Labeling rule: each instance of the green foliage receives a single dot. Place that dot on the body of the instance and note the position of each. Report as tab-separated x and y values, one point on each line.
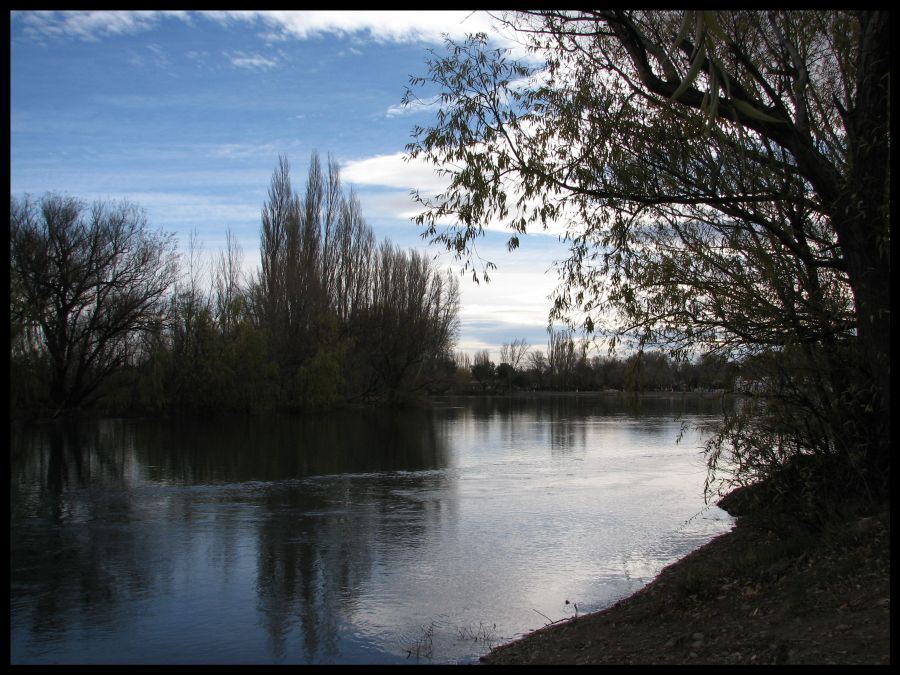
318	383
253	368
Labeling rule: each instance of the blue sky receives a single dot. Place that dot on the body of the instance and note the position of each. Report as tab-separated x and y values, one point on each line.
185	114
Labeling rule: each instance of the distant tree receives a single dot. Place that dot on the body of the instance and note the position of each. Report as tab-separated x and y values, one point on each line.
561	358
514	352
346	318
610	372
483	369
584	378
289	276
725	180
505	374
229	285
300	237
462	360
512	356
354	246
538	368
190	300
648	371
86	282
714	371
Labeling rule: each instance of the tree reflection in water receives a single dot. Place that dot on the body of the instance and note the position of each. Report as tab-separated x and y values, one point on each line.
118	502
336	537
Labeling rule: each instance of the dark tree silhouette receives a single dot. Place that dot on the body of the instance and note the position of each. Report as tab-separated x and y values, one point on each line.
86	281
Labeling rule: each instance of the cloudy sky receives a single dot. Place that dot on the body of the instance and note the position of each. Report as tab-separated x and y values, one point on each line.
185	113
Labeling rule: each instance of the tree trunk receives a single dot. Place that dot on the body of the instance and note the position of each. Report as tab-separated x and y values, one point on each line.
862	223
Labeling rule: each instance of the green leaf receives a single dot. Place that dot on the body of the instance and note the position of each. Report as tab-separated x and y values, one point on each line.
685	27
717	64
713	94
713	25
691	74
749	111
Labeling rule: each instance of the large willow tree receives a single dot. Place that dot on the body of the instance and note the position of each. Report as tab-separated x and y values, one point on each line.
724	180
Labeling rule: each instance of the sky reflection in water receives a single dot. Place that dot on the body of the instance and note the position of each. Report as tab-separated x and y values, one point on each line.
353	537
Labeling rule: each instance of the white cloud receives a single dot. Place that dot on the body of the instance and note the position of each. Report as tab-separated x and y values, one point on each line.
386	25
157	56
394	171
381	25
417	106
386	204
350	51
278	25
251	61
514	303
92	25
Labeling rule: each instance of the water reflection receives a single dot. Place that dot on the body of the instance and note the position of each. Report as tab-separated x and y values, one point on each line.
331	538
104	500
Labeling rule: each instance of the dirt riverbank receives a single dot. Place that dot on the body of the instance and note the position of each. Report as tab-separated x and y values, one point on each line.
767	592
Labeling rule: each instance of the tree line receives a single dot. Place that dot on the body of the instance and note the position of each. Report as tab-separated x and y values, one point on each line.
106	313
569	364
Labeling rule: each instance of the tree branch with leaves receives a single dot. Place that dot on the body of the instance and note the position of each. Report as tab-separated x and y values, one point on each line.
722	178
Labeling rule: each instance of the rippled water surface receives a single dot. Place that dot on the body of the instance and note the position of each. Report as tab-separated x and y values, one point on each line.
351	537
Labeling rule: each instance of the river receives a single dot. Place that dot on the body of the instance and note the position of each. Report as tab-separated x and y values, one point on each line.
357	536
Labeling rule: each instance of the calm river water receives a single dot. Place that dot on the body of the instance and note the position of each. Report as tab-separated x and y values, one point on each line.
351	537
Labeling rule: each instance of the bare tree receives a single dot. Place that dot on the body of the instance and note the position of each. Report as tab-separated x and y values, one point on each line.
228	284
190	300
561	357
513	352
89	280
462	360
354	244
411	318
279	215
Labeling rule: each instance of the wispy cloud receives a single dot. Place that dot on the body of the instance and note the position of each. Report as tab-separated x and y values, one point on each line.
379	25
251	61
416	106
151	54
91	25
385	26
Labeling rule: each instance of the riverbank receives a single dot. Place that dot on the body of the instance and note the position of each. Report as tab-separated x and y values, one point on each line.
768	592
592	394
